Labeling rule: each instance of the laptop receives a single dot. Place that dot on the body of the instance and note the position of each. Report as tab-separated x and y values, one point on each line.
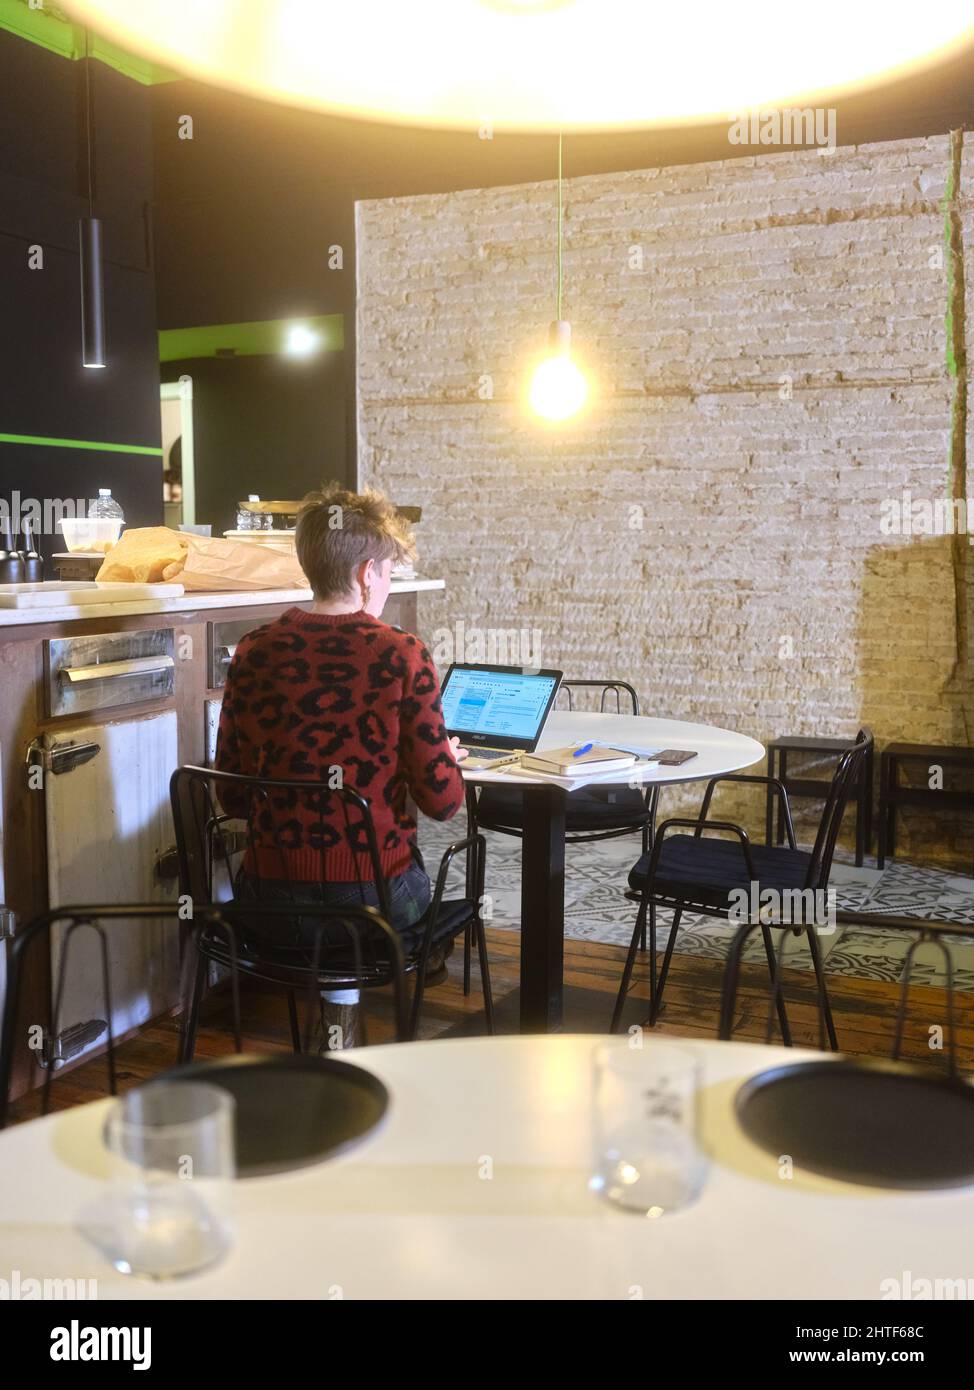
497	712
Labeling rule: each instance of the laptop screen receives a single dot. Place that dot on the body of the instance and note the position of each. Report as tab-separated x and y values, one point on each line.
509	706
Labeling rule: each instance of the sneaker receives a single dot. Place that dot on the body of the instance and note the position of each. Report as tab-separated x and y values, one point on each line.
436	971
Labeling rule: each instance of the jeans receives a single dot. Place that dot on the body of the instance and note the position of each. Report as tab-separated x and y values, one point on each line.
409	897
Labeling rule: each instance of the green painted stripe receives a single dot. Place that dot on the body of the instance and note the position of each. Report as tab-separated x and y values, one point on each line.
98	446
59	35
263	338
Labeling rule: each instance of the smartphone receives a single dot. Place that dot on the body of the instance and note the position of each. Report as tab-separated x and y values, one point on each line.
674	757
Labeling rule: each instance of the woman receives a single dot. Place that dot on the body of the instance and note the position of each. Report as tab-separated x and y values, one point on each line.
335	696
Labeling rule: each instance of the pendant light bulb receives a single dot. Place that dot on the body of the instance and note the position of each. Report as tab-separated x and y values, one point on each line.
558	388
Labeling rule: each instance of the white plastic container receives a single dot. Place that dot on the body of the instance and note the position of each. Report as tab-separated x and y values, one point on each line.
92	534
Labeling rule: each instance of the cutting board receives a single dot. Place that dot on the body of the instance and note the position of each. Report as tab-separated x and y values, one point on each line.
66	593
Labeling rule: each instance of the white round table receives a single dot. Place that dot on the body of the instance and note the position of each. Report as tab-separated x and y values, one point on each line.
410	1214
717	750
543	841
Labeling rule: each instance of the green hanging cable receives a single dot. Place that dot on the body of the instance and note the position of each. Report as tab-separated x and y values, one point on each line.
559	225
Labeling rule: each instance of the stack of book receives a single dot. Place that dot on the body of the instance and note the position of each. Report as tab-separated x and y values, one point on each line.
587	760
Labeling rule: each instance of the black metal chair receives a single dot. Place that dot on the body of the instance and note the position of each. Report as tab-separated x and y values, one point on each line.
205	840
222	927
591	813
924	932
707	875
353	947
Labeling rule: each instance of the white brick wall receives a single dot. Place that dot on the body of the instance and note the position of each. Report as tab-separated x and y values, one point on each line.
760	515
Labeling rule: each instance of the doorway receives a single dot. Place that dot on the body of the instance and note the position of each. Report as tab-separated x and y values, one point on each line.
178	469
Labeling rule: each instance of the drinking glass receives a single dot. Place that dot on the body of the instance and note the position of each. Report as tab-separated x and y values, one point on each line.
647	1156
173	1164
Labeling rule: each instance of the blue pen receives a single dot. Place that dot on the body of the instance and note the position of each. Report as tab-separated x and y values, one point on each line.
585	748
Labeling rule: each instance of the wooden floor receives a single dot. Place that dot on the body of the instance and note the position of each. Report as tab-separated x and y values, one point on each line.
864	1011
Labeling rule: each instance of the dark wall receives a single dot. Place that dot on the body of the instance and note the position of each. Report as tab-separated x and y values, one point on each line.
244	219
44	390
270	425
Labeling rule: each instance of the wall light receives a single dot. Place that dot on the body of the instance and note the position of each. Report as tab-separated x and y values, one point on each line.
300	341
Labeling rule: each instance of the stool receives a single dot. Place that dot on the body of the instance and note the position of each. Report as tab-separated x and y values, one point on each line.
891	794
778	750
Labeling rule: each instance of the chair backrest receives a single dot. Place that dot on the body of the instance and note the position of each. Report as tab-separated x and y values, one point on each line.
227	921
850	767
76	918
204	802
937	934
606	688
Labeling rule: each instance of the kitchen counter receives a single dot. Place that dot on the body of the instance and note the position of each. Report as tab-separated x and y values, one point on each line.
186	603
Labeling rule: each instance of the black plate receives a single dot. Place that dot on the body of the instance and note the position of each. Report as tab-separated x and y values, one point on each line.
292	1111
883	1124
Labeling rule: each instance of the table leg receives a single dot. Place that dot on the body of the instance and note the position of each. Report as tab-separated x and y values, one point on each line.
894	781
883	811
542	909
868	776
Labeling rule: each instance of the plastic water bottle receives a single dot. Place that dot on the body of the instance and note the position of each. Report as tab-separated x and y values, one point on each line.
245	519
104	506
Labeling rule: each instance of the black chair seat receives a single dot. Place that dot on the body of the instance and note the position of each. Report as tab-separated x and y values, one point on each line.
255	951
706	870
589	808
453	917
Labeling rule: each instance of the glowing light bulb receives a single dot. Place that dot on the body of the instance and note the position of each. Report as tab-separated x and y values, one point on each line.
558	388
300	341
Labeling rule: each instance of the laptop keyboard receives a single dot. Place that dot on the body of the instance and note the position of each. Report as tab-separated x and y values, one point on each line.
494	752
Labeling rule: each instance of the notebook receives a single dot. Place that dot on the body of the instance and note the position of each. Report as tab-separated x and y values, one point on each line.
567	762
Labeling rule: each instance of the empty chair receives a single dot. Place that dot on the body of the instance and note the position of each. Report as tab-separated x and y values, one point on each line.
941	935
700	873
217	933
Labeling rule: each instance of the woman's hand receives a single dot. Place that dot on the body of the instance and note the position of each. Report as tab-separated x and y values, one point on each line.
458	752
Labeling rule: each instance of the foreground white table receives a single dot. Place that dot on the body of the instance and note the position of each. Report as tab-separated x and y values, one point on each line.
543	842
408	1213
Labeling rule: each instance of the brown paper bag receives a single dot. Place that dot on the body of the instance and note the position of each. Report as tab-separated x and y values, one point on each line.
214	563
143	555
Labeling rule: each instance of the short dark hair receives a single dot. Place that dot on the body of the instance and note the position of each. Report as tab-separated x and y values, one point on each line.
338	530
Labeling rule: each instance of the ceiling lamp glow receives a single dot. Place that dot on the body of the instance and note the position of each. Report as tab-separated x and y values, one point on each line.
536	64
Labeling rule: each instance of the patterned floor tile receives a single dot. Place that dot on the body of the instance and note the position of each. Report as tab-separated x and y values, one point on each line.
597	910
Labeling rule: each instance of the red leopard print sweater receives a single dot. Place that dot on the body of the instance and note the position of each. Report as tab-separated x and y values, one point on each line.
313	691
